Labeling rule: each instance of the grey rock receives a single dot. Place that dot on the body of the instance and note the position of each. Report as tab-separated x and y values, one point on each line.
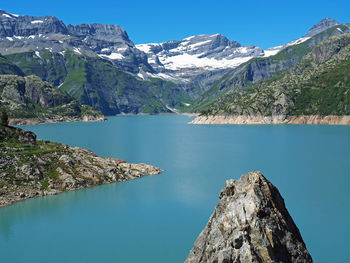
216	53
20	34
321	26
250	224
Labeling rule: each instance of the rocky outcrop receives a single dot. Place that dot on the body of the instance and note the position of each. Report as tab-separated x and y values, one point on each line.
20	34
250	224
22	136
30	168
275	119
321	26
29	100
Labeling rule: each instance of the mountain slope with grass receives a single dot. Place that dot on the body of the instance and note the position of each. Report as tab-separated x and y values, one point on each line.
246	75
314	90
29	100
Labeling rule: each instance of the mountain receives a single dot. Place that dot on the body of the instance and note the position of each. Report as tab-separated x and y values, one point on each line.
31	98
258	69
96	64
321	26
314	90
20	34
200	59
250	224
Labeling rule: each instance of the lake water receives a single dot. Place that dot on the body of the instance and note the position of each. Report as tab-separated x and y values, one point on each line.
157	219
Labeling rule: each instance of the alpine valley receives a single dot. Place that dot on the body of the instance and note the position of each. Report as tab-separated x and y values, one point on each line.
84	71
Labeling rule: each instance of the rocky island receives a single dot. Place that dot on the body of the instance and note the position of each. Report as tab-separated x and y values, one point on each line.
31	168
250	224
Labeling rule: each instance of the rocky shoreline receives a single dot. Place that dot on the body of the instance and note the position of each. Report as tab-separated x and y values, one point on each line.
276	119
34	121
32	168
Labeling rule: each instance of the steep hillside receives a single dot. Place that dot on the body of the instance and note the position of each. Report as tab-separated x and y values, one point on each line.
97	82
31	98
258	69
96	64
318	85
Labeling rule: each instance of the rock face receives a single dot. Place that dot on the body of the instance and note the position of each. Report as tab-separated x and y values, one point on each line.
26	33
321	26
20	135
250	224
30	168
31	100
201	59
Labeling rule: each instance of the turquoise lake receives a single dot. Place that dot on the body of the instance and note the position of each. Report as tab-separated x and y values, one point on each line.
157	219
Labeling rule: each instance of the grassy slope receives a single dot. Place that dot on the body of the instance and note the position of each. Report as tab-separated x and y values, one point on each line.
238	78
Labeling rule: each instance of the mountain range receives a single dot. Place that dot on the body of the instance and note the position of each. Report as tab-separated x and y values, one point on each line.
98	65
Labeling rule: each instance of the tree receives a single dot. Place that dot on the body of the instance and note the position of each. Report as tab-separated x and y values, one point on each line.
4	118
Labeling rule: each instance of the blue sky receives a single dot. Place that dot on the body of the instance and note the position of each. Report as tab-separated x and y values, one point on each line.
260	23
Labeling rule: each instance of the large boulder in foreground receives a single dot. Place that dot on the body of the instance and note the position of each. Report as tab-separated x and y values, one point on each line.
250	224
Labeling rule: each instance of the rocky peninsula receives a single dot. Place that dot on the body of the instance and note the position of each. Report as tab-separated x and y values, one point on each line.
250	224
275	119
31	168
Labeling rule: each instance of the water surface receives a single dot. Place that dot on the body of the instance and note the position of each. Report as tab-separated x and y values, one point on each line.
157	219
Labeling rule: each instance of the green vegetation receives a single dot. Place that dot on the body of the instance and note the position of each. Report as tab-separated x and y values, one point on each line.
101	84
318	85
246	77
4	118
30	97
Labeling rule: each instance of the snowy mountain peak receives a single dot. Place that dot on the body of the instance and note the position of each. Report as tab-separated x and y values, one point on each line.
178	59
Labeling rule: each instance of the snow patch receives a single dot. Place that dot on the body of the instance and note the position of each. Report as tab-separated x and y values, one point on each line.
272	51
6	15
144	47
140	76
113	56
37	54
37	22
104	49
9	38
76	50
298	41
190	61
341	31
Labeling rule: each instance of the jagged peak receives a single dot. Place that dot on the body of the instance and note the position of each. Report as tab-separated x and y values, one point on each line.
322	25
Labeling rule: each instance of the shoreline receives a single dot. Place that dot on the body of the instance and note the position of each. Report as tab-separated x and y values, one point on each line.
277	119
35	121
73	168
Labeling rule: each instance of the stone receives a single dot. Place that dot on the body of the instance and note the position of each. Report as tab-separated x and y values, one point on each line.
250	224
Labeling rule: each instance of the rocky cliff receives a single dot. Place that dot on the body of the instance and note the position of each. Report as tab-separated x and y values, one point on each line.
31	100
250	224
197	60
31	168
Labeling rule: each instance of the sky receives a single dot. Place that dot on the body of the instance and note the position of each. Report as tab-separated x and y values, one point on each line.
260	23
